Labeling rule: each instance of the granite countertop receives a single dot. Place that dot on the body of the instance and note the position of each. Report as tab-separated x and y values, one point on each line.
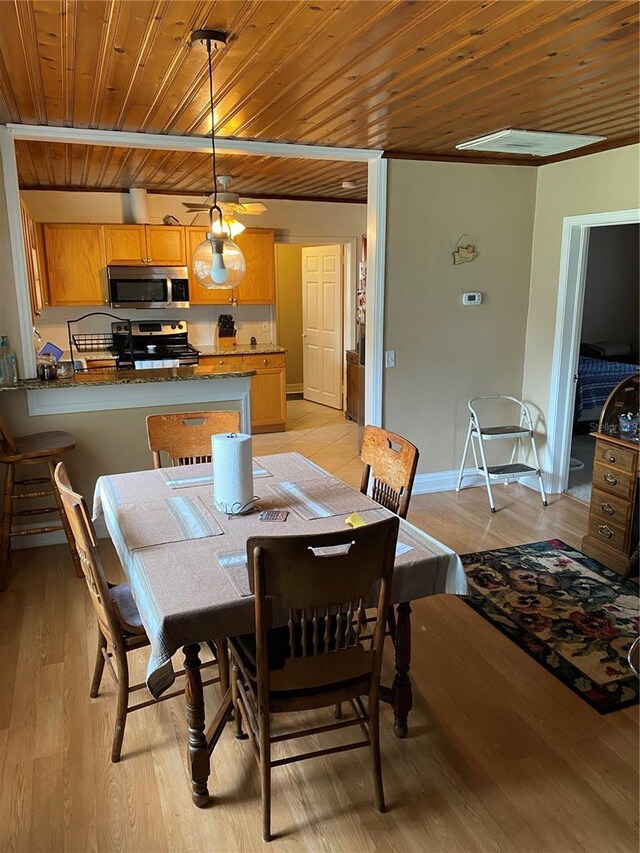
127	377
239	349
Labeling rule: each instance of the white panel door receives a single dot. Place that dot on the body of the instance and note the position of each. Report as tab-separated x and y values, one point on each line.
322	361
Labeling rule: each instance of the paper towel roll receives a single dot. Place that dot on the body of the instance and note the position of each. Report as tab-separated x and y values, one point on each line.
232	472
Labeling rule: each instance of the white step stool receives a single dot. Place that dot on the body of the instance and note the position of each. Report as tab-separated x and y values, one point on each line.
504	472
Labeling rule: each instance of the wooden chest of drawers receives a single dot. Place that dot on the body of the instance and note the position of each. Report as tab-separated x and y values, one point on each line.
612	532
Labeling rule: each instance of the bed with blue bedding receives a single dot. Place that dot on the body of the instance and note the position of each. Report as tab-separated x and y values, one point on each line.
596	380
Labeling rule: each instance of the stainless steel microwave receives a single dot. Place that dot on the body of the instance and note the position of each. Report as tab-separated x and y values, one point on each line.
148	287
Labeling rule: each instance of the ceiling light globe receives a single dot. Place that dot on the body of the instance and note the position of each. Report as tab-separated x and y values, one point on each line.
218	263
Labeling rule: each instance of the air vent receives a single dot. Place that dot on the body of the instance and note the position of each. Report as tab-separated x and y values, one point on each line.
535	142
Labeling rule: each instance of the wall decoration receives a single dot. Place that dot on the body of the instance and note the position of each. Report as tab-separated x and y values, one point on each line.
464	252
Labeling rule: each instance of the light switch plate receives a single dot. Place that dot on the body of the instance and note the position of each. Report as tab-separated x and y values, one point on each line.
390	358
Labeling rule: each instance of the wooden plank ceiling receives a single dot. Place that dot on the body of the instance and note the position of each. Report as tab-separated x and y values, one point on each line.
412	78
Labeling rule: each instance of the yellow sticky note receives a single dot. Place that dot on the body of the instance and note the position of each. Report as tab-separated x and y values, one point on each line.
355	520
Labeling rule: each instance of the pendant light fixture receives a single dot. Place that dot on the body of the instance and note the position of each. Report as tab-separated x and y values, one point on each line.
217	262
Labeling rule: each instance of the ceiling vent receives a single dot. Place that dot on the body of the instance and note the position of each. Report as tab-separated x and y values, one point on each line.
538	143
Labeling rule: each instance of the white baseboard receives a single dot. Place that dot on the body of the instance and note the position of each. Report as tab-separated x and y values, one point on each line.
445	481
295	388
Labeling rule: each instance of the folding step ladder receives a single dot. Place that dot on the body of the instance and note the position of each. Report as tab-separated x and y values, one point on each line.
504	472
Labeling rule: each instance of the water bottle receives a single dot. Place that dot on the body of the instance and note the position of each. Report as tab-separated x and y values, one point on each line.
8	363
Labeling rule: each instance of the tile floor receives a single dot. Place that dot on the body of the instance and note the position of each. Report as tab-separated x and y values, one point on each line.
319	433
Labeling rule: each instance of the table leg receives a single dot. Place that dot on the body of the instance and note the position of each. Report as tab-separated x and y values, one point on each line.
197	750
223	664
401	690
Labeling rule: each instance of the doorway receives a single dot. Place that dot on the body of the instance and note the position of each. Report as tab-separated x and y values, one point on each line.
322	382
569	317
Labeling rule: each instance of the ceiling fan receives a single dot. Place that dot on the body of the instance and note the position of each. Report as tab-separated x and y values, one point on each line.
229	202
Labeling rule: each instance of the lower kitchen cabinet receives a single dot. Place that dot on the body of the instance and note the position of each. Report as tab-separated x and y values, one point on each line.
268	386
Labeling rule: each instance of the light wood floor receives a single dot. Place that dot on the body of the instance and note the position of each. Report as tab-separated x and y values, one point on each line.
500	757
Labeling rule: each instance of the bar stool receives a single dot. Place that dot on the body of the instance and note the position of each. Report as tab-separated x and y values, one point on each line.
41	448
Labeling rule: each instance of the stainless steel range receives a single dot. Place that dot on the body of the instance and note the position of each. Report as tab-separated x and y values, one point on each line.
153	344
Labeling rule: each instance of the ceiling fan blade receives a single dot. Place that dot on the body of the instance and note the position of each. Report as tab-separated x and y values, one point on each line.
191	206
252	208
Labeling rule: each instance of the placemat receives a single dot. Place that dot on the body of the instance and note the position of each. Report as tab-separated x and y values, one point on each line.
173	519
184	476
234	564
321	498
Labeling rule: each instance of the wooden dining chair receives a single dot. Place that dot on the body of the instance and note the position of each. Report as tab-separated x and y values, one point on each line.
120	628
390	462
324	655
186	436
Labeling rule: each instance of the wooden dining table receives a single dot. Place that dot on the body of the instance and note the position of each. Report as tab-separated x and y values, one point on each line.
186	564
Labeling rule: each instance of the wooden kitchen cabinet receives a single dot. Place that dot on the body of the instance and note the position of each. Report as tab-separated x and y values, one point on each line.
33	236
258	286
351	406
199	295
75	264
268	386
268	391
163	245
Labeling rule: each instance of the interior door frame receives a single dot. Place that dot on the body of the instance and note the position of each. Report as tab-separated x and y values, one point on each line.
376	219
571	288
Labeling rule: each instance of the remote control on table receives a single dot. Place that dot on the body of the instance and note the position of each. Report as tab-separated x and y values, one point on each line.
273	515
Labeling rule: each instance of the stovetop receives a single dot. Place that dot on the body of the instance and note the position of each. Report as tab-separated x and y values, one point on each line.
152	341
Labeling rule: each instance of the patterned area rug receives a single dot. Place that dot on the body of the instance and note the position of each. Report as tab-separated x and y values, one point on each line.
567	611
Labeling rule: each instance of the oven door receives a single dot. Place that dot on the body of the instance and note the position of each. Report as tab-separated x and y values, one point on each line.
147	287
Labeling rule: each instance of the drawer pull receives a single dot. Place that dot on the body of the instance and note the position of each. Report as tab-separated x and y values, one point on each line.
611	479
611	458
221	361
607	509
605	531
264	361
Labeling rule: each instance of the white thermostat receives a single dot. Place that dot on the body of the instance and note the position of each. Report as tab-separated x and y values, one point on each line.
474	298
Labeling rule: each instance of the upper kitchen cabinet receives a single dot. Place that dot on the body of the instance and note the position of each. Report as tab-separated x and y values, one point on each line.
124	243
257	287
75	264
197	293
33	236
163	245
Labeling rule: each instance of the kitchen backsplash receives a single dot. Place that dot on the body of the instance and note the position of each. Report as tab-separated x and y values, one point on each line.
251	321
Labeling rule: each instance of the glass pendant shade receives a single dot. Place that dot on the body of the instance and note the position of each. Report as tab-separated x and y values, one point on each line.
218	263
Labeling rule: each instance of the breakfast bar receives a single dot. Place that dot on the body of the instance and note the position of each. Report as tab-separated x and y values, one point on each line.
125	389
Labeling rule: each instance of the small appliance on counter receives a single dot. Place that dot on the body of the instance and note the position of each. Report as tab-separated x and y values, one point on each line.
153	344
